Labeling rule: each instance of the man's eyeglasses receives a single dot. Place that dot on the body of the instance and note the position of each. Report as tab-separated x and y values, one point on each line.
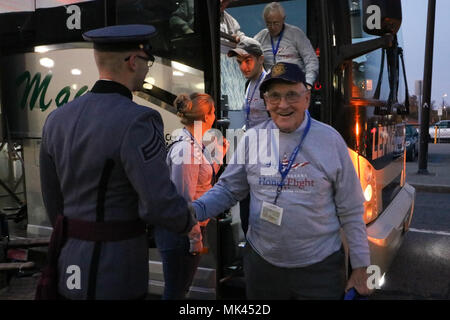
290	96
273	24
150	60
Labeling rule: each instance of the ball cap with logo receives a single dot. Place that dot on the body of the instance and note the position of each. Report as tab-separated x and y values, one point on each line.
287	72
122	38
245	47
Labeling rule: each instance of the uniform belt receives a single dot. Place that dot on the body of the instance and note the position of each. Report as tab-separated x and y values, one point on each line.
104	231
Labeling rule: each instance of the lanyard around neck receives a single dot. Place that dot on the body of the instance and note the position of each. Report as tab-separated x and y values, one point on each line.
249	101
275	49
284	172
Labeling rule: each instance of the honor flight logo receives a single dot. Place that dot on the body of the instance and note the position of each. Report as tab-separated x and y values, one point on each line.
296	182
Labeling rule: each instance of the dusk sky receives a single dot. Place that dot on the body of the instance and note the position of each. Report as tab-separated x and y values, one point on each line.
414	27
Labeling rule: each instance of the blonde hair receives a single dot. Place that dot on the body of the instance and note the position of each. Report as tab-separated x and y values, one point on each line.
109	61
193	107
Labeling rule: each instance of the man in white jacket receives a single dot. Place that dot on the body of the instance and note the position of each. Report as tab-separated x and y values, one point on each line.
303	189
284	42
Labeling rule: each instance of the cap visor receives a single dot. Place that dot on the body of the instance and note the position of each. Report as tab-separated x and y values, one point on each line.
237	52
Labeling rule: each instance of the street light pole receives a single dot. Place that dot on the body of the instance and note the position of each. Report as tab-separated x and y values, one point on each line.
427	75
443	105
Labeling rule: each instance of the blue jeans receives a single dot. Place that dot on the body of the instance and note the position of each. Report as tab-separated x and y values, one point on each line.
179	266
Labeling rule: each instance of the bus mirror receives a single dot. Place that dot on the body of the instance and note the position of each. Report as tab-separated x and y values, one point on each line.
382	16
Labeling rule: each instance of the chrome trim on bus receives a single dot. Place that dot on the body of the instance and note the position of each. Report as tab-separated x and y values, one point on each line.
386	233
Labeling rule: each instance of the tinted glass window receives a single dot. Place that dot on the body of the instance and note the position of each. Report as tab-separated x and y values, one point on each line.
179	45
21	31
370	74
179	35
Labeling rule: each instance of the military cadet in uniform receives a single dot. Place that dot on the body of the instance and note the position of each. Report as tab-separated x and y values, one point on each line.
103	176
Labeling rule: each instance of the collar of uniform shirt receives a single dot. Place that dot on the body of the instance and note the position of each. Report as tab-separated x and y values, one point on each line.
110	86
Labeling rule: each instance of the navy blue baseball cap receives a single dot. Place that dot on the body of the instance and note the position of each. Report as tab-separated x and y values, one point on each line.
122	37
284	71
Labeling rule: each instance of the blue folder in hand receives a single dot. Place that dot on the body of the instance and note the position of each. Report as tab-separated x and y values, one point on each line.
352	294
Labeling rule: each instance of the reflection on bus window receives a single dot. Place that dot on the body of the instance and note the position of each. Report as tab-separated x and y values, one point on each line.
175	17
182	20
179	63
178	37
366	68
232	81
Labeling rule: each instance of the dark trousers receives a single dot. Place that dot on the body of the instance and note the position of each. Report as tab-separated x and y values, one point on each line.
179	268
244	211
322	280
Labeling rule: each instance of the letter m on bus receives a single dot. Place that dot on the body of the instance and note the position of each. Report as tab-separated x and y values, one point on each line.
39	89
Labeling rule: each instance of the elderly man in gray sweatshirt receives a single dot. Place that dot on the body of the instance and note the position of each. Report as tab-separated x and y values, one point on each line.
303	189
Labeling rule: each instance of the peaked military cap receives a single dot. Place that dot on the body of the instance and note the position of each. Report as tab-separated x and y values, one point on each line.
122	38
288	72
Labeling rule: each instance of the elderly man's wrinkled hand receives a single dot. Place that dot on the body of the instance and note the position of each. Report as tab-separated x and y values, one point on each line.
358	280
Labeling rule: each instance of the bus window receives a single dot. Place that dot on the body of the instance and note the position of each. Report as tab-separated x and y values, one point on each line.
179	63
370	73
179	36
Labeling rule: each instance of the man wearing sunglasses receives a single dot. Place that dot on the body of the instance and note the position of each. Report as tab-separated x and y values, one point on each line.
104	176
303	189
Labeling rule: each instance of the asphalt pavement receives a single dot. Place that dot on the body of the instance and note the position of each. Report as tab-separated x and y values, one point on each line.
438	167
421	268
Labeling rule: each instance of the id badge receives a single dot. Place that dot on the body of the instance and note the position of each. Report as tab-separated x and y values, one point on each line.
271	213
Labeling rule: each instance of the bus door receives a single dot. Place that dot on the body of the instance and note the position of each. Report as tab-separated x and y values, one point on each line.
249	15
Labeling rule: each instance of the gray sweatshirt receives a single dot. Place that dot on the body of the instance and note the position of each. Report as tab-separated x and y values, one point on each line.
295	47
322	193
258	111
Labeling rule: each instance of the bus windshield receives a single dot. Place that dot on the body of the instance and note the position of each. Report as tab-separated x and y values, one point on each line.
370	72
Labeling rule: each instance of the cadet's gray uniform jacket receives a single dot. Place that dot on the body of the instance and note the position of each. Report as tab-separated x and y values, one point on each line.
78	138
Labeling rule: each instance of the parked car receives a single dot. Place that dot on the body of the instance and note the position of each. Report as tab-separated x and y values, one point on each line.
411	143
443	130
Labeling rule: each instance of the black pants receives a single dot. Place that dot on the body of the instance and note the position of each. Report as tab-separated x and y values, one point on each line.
244	210
322	280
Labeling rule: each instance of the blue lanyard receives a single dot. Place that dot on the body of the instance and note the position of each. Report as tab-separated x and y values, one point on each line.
213	179
284	172
275	50
249	101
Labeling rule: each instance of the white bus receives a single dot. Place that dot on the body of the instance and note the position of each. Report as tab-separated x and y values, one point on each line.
359	91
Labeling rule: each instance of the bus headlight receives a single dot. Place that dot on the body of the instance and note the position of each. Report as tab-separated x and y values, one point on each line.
368	193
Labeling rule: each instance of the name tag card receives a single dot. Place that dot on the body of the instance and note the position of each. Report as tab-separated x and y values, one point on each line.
271	213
